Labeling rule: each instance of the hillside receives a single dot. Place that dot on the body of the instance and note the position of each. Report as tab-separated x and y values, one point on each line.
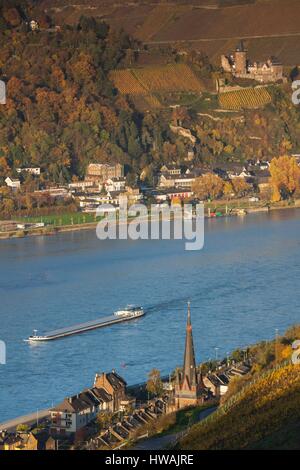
210	26
265	414
248	98
79	94
142	83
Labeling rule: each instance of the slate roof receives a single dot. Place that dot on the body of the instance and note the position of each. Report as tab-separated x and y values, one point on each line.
115	380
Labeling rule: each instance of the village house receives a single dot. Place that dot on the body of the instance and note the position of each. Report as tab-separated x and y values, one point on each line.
181	194
171	170
76	412
244	174
231	170
132	194
115	386
216	383
258	164
34	26
40	440
31	440
263	182
171	195
238	369
263	165
167	180
32	171
10	441
115	184
100	172
81	186
13	183
190	155
90	202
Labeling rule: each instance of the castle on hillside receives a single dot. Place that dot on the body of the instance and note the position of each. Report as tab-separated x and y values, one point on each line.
239	65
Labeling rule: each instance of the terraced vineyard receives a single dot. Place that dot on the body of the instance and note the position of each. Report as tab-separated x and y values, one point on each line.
261	409
247	98
165	78
126	83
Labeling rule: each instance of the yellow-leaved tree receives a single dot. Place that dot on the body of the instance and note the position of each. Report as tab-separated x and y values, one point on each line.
285	177
240	186
208	186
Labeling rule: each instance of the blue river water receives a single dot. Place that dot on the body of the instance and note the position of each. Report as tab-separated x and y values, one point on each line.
242	286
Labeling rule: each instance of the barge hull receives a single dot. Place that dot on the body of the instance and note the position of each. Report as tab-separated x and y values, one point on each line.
81	328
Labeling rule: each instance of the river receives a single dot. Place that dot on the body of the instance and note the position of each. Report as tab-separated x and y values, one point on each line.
242	286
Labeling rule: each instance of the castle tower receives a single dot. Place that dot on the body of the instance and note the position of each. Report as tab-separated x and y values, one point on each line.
240	59
189	387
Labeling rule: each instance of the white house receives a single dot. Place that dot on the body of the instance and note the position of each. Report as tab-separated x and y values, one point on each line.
171	170
81	185
78	411
176	181
33	171
242	174
34	26
13	183
115	184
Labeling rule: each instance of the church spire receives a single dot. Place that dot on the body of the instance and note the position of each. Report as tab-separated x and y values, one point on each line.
189	366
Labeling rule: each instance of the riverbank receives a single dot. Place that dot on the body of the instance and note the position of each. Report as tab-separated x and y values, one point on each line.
219	209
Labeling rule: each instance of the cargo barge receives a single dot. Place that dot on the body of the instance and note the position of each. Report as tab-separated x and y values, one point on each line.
129	313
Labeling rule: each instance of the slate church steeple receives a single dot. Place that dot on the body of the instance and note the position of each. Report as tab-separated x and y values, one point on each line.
189	365
189	388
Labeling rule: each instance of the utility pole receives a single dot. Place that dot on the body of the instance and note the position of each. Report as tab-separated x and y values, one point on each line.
227	358
276	346
216	349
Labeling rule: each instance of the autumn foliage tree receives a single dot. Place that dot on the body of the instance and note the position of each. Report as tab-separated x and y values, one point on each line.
240	186
62	111
154	383
285	177
208	186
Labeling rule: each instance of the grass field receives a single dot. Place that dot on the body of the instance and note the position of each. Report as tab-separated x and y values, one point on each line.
73	218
